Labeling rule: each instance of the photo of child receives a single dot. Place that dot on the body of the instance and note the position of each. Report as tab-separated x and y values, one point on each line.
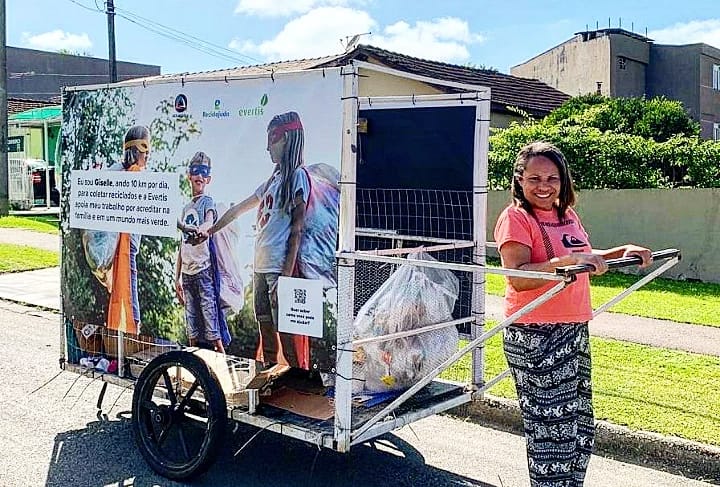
266	207
113	256
195	272
282	203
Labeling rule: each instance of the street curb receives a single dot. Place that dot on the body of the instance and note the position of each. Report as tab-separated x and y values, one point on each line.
675	455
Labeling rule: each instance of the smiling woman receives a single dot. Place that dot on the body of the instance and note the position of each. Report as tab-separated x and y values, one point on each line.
548	348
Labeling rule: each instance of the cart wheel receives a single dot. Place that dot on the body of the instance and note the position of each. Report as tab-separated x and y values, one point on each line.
178	415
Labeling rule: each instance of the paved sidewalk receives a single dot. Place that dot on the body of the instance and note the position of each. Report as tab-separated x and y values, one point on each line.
42	288
17	236
36	288
647	331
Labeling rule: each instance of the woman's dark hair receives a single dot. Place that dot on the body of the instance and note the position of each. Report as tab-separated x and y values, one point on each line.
132	153
566	199
292	157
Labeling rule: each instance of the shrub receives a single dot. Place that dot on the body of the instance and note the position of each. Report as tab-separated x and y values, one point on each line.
629	143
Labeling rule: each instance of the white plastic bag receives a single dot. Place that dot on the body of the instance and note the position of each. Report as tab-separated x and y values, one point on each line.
100	247
411	298
227	242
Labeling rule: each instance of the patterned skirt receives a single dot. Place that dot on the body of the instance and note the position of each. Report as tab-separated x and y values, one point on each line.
550	363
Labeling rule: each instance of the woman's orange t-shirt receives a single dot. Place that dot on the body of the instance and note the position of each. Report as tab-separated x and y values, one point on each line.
572	304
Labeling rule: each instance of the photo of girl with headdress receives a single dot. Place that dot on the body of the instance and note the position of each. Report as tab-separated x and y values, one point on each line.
296	233
113	256
124	294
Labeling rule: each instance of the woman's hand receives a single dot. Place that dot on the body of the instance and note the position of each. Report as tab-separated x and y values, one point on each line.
515	255
635	250
597	261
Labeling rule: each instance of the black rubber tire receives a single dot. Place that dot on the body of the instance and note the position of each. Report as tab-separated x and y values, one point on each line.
179	435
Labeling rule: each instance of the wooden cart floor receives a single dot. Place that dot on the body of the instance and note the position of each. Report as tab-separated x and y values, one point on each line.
434	393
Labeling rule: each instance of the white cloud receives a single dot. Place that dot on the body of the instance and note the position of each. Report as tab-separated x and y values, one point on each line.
282	8
707	31
443	39
319	32
56	40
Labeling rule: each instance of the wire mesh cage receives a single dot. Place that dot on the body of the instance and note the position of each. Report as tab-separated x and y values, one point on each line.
429	213
392	219
400	297
97	347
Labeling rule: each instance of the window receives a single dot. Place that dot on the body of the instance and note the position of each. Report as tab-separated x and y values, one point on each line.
621	62
716	131
716	77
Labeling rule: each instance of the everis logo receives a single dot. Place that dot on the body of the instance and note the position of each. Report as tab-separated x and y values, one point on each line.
217	111
256	111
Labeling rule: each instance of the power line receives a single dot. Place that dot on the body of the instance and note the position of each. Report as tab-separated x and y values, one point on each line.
169	35
85	6
185	35
176	35
66	75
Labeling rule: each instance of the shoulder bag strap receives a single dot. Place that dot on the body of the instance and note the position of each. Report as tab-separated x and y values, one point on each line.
549	252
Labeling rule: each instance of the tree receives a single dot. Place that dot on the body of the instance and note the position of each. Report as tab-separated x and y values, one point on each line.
70	52
658	118
618	143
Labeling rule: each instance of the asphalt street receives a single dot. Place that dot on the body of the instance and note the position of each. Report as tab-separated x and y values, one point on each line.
54	435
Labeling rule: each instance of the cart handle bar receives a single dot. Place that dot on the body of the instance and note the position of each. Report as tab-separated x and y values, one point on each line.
572	270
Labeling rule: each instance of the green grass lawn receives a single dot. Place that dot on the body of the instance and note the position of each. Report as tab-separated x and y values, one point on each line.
644	388
681	301
665	391
40	223
15	258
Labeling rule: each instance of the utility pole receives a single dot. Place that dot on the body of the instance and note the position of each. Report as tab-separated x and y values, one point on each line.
111	40
4	197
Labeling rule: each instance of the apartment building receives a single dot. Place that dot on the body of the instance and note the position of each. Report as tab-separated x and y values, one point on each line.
620	63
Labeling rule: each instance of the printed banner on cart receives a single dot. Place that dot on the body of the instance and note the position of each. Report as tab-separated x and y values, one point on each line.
188	203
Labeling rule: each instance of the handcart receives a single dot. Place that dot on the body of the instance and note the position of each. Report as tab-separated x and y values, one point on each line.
411	224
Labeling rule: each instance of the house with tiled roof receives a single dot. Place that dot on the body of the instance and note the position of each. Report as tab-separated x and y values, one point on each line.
17	105
508	92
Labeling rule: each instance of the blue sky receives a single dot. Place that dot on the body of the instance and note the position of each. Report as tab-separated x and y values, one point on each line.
489	33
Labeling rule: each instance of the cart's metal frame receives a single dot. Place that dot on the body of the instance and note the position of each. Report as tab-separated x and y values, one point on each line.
343	433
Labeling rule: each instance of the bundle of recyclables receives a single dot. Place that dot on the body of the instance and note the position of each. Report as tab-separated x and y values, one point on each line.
411	298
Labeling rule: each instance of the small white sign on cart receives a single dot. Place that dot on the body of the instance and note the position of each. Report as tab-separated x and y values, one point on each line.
300	306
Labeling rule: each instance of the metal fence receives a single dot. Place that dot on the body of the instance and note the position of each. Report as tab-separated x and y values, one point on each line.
20	184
